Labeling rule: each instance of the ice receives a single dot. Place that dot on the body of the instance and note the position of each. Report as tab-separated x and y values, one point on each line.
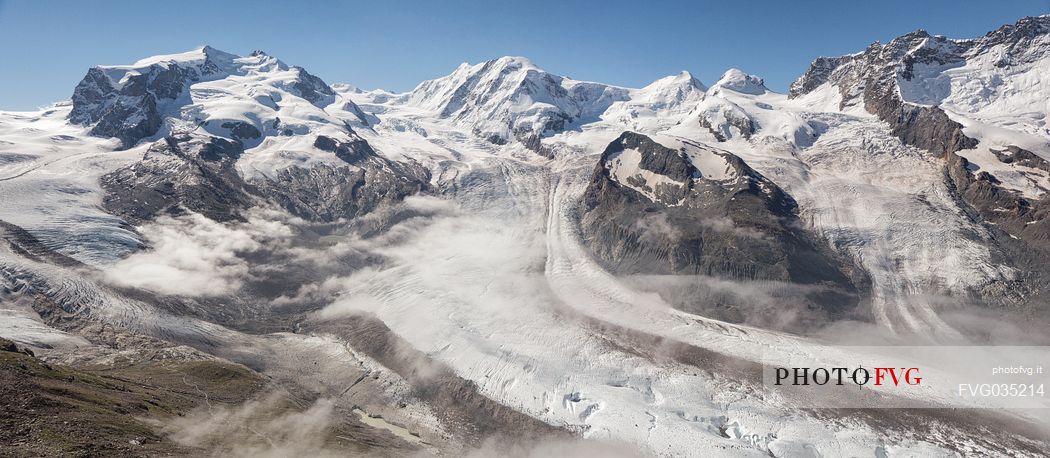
53	191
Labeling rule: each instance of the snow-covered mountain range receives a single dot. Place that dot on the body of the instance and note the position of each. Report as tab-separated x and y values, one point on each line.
505	251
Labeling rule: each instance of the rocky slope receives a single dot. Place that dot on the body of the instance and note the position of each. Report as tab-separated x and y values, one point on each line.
870	80
144	404
970	102
206	109
198	173
650	209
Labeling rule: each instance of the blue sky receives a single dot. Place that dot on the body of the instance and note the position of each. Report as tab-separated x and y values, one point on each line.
393	44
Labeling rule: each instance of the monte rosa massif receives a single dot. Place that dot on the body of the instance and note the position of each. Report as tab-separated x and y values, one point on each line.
213	253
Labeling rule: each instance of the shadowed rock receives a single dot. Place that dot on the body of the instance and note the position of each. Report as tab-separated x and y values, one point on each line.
744	228
176	173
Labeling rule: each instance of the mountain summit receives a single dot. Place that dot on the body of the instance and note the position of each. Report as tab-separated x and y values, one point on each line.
242	98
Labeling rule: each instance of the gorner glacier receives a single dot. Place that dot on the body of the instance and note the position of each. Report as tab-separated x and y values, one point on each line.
505	261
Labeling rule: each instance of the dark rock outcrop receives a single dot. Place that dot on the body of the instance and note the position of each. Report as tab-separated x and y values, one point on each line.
720	130
313	89
128	114
871	77
927	128
1020	230
240	130
743	229
176	173
354	151
533	142
1021	216
1020	156
129	110
819	72
329	193
198	173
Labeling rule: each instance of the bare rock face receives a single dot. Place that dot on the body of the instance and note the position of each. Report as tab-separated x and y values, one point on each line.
354	151
242	130
313	88
870	78
1020	227
719	128
129	109
671	219
1020	156
1024	217
198	173
820	71
176	173
128	113
927	128
329	193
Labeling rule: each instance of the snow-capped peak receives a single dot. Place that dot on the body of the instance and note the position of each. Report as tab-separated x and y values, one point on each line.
736	80
203	63
658	105
189	58
991	90
511	98
451	92
669	91
681	80
515	62
244	98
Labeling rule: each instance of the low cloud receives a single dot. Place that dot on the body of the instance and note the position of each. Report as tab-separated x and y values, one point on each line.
655	227
313	292
764	303
563	448
445	248
265	427
272	427
723	224
191	255
351	305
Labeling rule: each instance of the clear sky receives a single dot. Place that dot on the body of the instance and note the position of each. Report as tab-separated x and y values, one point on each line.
47	46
